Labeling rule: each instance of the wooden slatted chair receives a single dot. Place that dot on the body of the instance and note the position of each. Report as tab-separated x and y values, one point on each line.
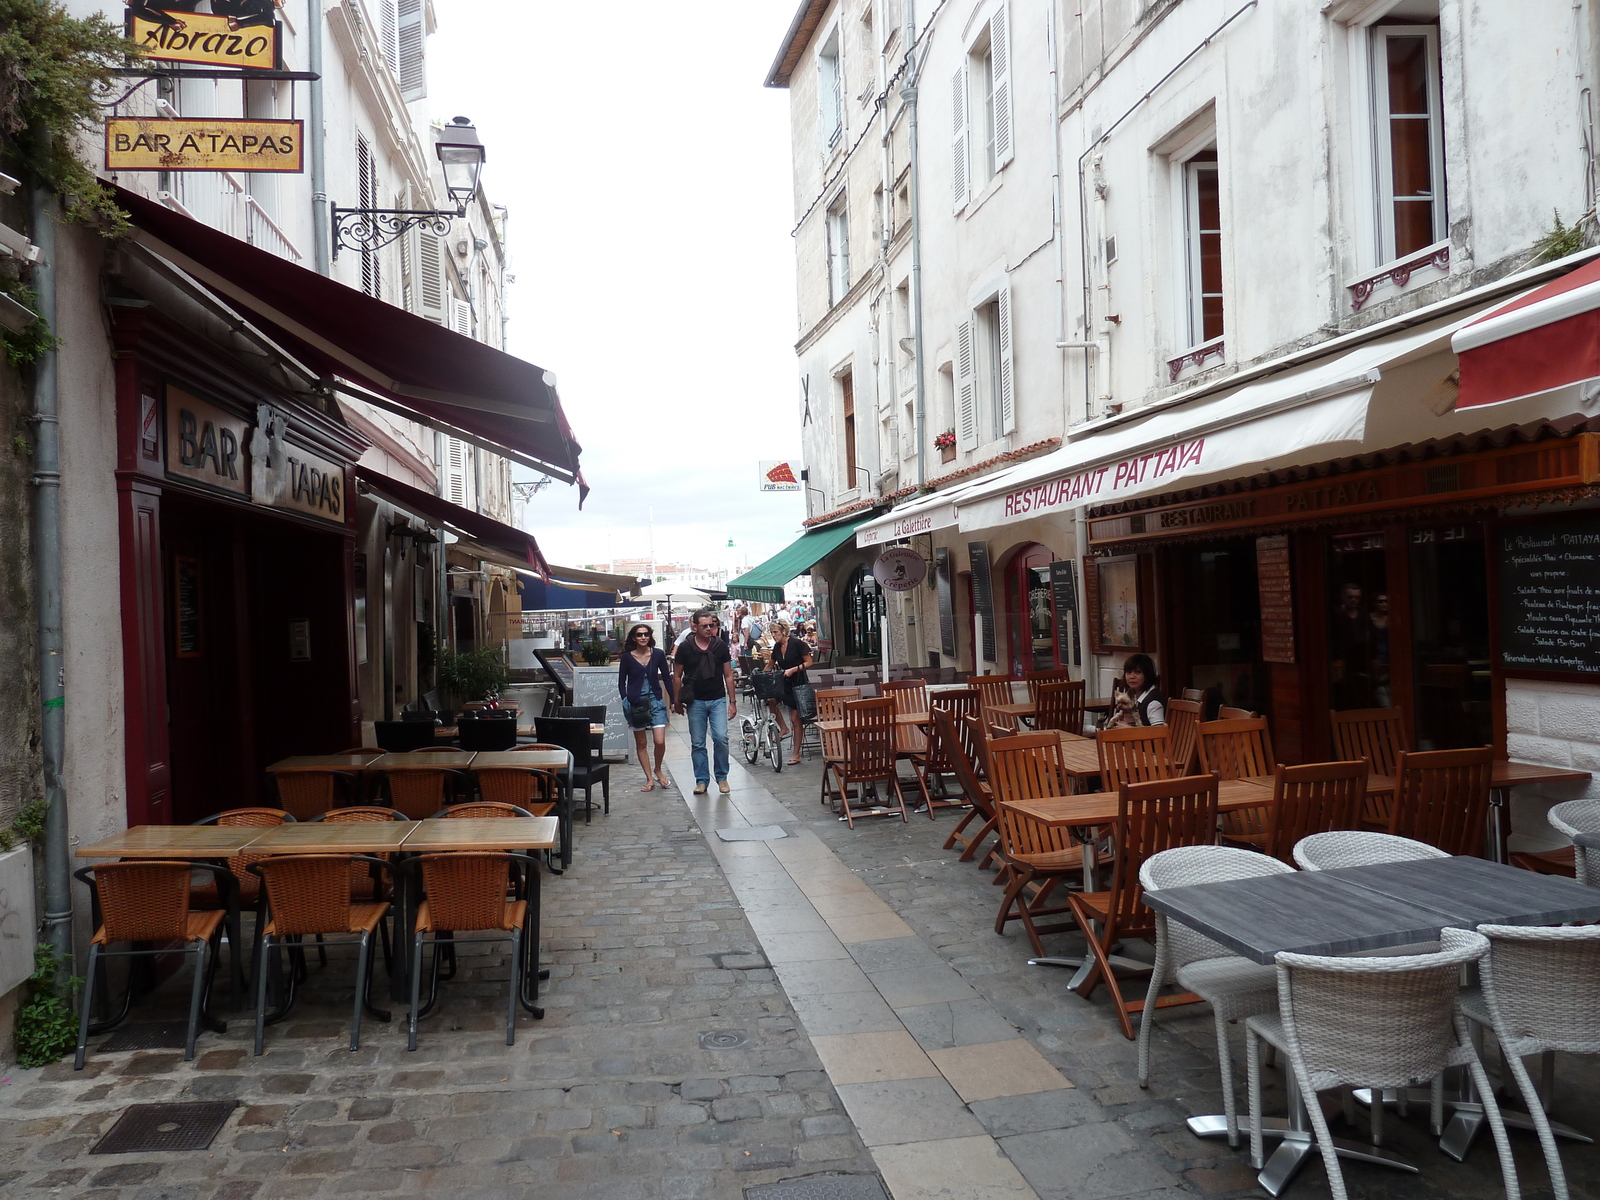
937	758
975	740
910	697
1442	798
1379	736
1058	705
1135	755
830	707
1151	817
1232	749
993	690
1028	766
869	754
1315	798
1183	719
1225	713
952	738
1035	678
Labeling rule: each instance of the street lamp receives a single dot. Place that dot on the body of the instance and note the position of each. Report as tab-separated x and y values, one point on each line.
461	155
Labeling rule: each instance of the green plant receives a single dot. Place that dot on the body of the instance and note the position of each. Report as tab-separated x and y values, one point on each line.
29	823
1561	240
53	67
595	653
44	1028
28	346
20	445
473	674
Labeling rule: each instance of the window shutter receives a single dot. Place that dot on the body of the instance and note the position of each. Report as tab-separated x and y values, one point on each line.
1000	60
958	110
966	389
461	316
389	33
430	277
412	48
1006	401
455	471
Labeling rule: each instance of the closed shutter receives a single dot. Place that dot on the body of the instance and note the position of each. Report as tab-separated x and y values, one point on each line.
461	316
959	157
1000	64
1006	401
367	186
413	38
389	33
430	277
966	389
457	460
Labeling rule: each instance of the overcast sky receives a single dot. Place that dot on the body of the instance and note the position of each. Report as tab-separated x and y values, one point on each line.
647	173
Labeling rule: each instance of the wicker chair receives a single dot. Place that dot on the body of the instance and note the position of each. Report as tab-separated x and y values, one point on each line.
1135	755
1235	987
1358	848
1540	993
309	894
992	690
1379	736
1572	818
1371	1022
148	901
533	788
869	753
1036	679
1183	719
245	888
938	759
365	878
467	890
1315	798
306	794
1442	798
1151	817
421	789
1058	704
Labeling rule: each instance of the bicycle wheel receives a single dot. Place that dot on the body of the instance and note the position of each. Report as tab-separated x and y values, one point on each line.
749	740
774	746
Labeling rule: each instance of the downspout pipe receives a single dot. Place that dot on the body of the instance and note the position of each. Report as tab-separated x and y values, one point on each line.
908	94
42	206
321	228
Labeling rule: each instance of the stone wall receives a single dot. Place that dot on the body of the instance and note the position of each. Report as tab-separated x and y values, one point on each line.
1558	724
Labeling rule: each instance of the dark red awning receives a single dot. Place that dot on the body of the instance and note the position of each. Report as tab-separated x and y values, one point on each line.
1544	339
519	545
441	377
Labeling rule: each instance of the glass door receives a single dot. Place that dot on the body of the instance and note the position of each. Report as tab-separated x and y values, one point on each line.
1450	637
1358	623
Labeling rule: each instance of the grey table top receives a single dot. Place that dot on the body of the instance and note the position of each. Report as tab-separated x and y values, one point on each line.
1591	840
1371	908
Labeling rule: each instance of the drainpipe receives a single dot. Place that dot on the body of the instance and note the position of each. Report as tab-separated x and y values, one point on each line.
908	93
320	217
47	560
1056	204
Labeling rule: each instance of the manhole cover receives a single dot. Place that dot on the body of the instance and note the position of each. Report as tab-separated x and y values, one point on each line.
820	1187
724	1039
152	1128
161	1036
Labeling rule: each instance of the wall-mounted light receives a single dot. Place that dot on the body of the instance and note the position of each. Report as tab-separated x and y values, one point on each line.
461	155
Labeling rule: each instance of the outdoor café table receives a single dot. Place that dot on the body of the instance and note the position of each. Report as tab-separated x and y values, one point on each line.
1360	908
323	762
458	760
174	841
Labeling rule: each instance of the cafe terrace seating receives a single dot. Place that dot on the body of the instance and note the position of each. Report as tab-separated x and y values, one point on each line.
1314	798
1058	704
938	756
1379	736
951	738
869	756
1442	798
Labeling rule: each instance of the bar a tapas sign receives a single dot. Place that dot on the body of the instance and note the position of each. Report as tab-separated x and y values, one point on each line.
204	144
215	39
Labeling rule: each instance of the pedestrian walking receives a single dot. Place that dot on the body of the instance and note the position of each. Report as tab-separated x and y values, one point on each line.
645	681
790	656
703	687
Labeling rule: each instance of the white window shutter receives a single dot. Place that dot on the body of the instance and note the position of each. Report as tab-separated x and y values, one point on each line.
959	155
389	33
430	277
1000	60
455	471
412	49
461	316
966	389
1006	401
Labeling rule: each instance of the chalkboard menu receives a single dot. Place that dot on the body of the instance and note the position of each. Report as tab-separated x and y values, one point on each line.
1550	597
596	686
186	611
1277	598
947	612
1064	591
983	594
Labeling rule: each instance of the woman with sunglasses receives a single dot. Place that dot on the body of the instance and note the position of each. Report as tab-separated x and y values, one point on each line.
645	682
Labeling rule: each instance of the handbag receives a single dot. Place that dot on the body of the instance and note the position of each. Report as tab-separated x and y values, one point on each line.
639	709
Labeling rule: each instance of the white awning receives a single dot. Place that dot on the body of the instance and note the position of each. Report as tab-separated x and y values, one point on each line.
921	514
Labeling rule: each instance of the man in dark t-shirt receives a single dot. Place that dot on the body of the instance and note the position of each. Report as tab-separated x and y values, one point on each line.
703	675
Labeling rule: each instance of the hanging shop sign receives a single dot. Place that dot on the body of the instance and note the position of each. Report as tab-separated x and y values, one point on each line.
212	39
778	475
206	445
899	569
204	144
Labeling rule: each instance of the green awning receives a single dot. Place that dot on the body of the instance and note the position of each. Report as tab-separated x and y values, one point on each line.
765	583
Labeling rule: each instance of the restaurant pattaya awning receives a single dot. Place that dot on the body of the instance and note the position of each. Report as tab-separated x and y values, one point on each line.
1544	339
520	550
393	358
764	584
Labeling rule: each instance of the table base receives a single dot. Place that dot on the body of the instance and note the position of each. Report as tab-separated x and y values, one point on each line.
1467	1118
1085	964
1298	1145
1216	1125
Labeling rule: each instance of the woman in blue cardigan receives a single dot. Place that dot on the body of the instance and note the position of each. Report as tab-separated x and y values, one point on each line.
644	681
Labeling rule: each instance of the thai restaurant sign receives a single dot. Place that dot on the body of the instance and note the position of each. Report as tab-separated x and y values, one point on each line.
207	38
204	144
1092	485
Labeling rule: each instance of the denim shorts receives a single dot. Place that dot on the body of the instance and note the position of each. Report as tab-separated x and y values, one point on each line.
658	715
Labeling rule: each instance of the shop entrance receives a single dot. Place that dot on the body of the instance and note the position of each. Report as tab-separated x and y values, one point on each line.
1358	623
862	616
1220	625
1030	612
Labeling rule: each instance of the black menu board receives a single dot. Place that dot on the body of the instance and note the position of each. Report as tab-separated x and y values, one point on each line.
983	594
947	612
1550	597
1064	591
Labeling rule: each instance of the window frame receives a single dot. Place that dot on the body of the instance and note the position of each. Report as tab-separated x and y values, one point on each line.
830	87
1381	126
1192	232
837	248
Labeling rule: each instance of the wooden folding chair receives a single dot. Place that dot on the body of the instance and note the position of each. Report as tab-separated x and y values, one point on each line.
1151	817
910	697
1379	736
1224	713
830	707
1442	798
1232	749
1135	755
1183	719
1315	798
938	756
1035	678
1058	704
992	690
1027	766
975	740
951	744
869	754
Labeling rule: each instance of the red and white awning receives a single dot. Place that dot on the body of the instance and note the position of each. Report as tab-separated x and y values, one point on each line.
1544	339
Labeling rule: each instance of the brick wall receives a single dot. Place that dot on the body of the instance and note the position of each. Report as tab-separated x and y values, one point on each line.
1558	724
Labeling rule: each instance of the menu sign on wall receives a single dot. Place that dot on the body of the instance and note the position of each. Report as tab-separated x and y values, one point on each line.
947	613
1064	590
983	595
1277	598
1550	597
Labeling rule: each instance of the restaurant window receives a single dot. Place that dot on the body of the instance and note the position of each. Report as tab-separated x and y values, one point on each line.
1030	612
1408	138
1202	229
862	613
1358	623
1450	637
1221	627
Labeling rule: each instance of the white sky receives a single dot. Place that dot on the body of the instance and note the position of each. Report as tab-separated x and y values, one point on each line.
647	173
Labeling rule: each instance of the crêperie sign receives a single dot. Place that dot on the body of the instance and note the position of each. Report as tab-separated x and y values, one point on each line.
1550	597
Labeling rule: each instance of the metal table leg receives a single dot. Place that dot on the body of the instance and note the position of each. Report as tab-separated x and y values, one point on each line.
1300	1142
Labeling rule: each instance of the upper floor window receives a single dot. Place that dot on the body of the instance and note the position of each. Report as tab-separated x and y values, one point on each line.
830	93
847	428
1408	137
980	99
986	408
838	251
1202	229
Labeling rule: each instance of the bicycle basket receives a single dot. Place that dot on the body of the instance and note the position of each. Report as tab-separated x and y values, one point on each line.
768	685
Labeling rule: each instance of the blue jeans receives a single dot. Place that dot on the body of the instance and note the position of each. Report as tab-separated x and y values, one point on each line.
715	713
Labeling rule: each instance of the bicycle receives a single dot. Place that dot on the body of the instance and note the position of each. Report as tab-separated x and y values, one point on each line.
760	735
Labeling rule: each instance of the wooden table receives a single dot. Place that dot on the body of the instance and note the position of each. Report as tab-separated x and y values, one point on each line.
456	760
918	718
333	837
1100	808
482	833
511	760
174	841
323	762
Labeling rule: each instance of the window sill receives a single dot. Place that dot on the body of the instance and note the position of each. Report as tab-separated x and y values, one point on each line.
989	189
1431	261
1193	360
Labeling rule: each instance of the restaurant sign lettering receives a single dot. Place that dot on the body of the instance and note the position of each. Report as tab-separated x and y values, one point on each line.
208	38
900	528
206	445
1105	482
308	484
204	144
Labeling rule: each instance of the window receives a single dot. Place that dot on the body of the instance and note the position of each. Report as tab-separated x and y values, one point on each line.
830	93
1408	136
847	428
1202	228
367	187
411	41
862	602
980	104
838	251
986	407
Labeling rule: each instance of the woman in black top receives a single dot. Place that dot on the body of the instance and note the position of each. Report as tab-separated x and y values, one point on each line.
644	681
792	656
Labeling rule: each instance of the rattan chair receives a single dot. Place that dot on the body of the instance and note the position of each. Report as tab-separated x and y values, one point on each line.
1183	719
869	754
1058	704
938	758
532	788
1151	817
306	794
1376	1023
993	690
243	887
148	901
1134	755
1234	986
309	895
422	789
1358	848
1314	798
1573	817
1379	736
1442	798
366	881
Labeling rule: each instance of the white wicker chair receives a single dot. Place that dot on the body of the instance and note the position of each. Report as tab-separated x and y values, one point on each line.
1235	987
1358	848
1575	817
1541	993
1372	1022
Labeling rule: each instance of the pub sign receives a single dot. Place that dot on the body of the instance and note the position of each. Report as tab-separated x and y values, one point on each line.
204	144
238	34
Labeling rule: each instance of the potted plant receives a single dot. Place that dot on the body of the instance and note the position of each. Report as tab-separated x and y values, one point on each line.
595	653
472	674
945	443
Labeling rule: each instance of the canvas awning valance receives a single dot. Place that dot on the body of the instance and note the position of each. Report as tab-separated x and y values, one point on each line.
764	584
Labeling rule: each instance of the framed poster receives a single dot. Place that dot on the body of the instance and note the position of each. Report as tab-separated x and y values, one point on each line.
1116	588
186	605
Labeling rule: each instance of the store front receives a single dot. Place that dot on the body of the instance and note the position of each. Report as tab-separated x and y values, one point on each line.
1030	610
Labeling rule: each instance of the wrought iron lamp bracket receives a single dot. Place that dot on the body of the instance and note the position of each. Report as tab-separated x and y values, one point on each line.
368	229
